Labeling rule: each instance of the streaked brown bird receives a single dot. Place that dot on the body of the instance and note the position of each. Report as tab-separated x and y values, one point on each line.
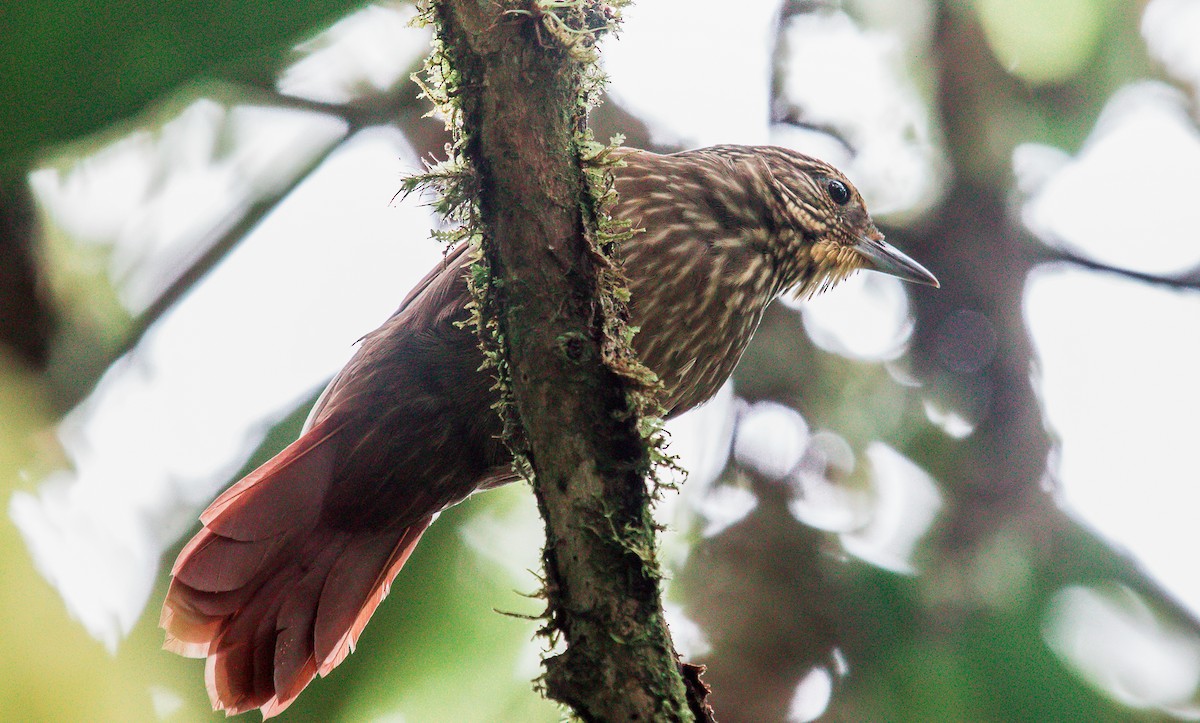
293	560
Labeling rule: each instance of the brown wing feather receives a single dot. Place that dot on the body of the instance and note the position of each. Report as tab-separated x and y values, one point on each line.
293	559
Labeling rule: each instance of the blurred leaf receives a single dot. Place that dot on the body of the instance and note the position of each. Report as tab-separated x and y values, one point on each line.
69	68
1043	42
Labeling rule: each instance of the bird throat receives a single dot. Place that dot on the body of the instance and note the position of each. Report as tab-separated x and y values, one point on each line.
822	266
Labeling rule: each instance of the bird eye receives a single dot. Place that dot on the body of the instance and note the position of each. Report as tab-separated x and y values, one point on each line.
838	191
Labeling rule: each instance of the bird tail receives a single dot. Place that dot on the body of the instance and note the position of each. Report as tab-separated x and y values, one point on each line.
270	593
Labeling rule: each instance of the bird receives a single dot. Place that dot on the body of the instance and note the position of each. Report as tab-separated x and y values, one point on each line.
293	559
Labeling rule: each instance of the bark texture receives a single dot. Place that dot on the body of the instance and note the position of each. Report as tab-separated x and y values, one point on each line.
518	86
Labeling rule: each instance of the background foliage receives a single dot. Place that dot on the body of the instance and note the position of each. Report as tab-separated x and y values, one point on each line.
883	533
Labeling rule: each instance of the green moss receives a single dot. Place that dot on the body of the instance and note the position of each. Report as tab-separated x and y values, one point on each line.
572	28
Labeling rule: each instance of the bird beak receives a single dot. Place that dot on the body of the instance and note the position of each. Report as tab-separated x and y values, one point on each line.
877	255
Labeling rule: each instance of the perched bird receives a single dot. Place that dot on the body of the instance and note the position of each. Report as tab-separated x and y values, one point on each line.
293	559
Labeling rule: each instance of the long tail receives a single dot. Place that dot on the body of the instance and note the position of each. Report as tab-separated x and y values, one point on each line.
270	594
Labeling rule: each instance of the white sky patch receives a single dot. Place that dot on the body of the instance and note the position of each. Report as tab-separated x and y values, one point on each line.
865	317
1118	382
509	535
811	697
697	72
366	53
825	496
771	438
529	659
268	326
156	200
863	93
167	703
723	507
880	520
1116	642
954	424
905	502
1129	199
689	638
913	21
701	439
1170	28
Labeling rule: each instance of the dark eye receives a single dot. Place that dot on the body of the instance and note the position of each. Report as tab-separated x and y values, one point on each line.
838	191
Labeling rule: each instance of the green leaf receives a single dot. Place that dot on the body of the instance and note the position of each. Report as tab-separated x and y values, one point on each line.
72	67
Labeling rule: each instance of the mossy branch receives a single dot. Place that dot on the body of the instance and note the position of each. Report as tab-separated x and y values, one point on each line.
525	182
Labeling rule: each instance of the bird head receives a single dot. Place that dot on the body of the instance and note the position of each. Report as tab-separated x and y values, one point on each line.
825	233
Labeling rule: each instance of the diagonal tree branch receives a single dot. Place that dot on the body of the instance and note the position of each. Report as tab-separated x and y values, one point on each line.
1187	281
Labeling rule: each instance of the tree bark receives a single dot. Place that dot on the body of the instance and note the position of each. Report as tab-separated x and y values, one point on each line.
516	79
